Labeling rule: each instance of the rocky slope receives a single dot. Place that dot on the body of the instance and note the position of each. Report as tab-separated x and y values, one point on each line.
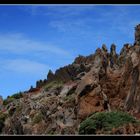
101	82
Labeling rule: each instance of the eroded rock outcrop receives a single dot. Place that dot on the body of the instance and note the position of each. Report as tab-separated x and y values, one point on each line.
101	82
137	35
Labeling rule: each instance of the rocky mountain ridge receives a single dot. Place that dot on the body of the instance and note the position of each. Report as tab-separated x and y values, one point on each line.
101	82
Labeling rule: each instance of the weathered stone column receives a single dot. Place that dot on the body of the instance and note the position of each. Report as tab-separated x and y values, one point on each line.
137	35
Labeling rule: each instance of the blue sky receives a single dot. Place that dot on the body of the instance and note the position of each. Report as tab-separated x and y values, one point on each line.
36	38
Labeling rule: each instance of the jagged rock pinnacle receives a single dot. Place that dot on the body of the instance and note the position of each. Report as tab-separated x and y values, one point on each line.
137	35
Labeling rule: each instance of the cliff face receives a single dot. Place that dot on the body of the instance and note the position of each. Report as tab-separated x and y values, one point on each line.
101	82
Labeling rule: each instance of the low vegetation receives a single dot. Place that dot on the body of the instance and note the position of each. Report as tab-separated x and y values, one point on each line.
3	116
54	84
12	98
17	95
105	121
37	118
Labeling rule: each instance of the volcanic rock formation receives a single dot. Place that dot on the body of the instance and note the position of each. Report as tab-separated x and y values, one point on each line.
101	82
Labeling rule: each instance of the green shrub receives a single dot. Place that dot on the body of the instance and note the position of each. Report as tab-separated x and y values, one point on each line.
37	118
69	98
17	95
71	91
54	84
12	98
11	111
1	125
105	121
18	108
5	102
3	116
51	132
8	100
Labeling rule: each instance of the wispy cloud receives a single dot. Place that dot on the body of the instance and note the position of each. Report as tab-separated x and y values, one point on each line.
58	11
74	19
77	17
19	44
20	54
24	66
64	18
70	26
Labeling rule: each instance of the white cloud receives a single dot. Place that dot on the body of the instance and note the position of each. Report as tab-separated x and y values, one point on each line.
58	11
24	66
24	55
18	44
69	25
